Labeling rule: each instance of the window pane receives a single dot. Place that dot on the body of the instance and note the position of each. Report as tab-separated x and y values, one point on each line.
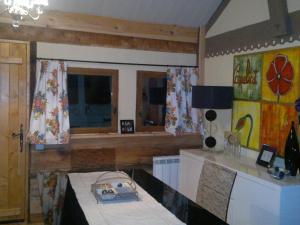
73	89
97	90
154	101
93	106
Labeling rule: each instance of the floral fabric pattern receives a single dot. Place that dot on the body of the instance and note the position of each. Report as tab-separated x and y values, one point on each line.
39	105
52	188
180	116
49	122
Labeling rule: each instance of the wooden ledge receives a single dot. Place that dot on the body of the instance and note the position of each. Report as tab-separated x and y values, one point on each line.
118	135
106	151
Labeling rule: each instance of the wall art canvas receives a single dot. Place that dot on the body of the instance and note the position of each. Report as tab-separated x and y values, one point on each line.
247	70
246	122
280	80
276	124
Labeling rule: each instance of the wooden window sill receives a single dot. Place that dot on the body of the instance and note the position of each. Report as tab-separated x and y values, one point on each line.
116	135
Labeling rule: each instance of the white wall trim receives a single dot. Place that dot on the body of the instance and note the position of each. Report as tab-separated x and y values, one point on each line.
113	55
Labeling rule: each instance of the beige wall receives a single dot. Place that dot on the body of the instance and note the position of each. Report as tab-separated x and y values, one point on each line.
127	73
240	13
218	70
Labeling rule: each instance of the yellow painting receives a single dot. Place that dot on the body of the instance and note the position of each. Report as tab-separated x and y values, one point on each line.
276	125
246	122
280	76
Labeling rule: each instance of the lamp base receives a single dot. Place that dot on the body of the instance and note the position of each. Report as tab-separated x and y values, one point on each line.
210	142
211	115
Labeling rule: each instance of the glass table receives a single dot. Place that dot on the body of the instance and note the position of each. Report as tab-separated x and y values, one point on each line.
184	209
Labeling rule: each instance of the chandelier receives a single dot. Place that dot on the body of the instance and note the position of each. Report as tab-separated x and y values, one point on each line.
19	9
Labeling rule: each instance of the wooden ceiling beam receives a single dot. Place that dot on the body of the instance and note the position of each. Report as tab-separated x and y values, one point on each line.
216	14
39	34
106	25
279	17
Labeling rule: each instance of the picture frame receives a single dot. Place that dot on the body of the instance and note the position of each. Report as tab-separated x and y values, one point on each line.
127	126
266	156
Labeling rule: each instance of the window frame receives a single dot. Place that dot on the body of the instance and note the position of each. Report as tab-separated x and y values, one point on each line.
114	74
139	100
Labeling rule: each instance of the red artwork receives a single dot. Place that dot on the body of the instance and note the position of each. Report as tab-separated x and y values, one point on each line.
280	75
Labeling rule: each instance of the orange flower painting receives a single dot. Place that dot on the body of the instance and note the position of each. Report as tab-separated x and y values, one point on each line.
281	79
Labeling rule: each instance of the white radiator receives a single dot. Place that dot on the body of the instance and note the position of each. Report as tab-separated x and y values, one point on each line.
166	169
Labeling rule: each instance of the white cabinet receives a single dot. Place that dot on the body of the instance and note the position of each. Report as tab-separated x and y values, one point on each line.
256	199
253	203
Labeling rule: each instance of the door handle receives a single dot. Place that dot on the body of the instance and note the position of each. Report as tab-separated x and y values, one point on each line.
20	135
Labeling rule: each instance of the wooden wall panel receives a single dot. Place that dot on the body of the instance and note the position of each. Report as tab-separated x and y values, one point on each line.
51	159
139	157
118	151
163	140
89	159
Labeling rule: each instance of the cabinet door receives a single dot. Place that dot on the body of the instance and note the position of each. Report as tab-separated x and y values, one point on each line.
189	174
13	117
253	203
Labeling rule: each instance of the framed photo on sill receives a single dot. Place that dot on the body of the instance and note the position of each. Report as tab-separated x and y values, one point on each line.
127	126
266	156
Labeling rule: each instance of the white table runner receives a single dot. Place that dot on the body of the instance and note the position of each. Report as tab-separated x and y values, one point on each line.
146	211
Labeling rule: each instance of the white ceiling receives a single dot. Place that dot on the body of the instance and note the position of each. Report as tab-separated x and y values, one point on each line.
191	13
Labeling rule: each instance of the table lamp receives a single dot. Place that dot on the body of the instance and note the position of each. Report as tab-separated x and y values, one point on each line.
212	97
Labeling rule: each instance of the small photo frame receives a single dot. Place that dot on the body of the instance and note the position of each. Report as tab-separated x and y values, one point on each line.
127	126
266	156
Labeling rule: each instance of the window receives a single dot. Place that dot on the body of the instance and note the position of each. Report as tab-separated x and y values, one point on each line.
151	101
93	98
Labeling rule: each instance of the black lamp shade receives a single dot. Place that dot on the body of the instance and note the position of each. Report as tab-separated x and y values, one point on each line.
212	97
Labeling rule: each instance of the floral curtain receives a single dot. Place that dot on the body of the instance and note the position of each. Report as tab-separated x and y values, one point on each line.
180	116
49	121
52	187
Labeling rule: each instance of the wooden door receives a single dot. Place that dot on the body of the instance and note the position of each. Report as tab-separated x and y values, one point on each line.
13	115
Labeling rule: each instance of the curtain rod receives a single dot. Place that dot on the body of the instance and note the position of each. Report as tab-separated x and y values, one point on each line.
117	63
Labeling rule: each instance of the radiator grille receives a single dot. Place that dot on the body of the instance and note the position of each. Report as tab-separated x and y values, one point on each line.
166	169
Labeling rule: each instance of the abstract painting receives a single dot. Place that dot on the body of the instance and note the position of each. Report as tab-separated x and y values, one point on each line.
247	71
280	80
276	125
246	121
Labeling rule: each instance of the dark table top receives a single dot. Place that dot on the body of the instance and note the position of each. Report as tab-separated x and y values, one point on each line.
183	208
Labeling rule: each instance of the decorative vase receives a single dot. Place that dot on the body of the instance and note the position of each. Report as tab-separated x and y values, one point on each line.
298	129
298	137
291	155
297	107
